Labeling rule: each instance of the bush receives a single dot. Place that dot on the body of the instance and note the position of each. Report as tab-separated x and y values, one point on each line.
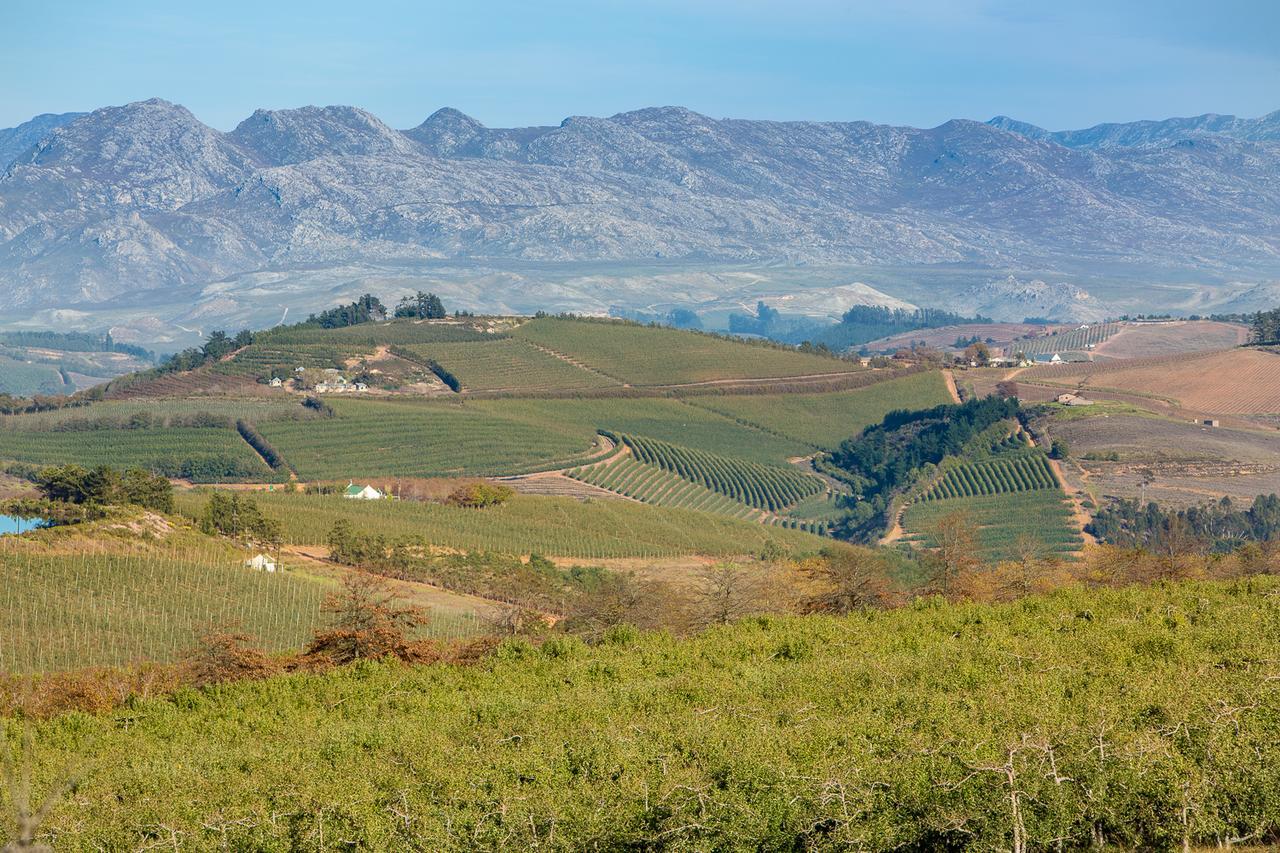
480	495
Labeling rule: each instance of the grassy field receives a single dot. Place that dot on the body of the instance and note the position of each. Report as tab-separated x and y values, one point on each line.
507	364
1132	719
641	355
170	451
69	610
559	527
824	420
999	520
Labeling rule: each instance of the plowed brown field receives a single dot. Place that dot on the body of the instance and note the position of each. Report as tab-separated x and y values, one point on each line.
1231	382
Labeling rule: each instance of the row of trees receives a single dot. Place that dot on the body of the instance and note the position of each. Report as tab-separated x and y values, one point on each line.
1220	526
1265	327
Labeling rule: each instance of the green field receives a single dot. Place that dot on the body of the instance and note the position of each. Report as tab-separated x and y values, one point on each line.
643	355
653	485
507	364
560	527
207	451
1130	719
20	378
766	487
824	420
227	409
419	438
77	610
998	521
1007	472
261	360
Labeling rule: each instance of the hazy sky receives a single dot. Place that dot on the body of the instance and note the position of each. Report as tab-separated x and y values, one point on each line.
919	62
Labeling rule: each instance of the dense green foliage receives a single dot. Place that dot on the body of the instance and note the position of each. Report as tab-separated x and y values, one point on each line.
73	342
1221	526
766	487
886	458
1264	327
421	306
1141	718
106	486
366	309
864	323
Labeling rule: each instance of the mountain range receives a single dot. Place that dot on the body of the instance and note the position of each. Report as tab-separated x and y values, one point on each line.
129	204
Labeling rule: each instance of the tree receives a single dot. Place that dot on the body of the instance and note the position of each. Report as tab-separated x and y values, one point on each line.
1059	449
978	353
725	593
366	620
848	579
954	555
225	655
480	495
1007	388
423	306
238	517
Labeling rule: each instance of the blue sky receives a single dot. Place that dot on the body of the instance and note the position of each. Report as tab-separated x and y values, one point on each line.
917	62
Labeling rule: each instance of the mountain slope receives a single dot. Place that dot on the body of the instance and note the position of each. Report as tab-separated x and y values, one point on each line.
131	199
1120	135
15	141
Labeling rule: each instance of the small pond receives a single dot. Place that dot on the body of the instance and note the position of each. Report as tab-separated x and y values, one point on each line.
13	524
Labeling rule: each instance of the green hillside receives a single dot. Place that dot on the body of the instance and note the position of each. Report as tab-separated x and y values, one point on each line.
1141	718
644	355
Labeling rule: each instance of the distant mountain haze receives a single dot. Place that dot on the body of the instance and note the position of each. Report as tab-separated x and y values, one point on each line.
105	208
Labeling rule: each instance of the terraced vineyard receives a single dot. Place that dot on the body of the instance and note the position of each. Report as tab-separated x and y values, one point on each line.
261	359
1007	473
560	527
1000	520
647	356
764	487
1072	341
654	485
507	364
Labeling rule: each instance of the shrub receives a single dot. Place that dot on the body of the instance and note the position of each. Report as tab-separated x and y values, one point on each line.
480	495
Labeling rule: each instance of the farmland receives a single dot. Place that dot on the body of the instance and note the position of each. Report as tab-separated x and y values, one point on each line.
199	454
653	485
370	335
1240	382
1000	520
824	420
1006	473
641	355
66	610
1074	340
19	377
1146	340
764	487
944	337
166	412
420	439
560	527
507	364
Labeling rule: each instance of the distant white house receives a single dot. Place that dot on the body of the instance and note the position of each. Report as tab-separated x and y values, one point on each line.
276	382
362	493
261	563
1042	358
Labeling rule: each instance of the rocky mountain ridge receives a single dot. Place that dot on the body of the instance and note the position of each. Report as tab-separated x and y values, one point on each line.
107	207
